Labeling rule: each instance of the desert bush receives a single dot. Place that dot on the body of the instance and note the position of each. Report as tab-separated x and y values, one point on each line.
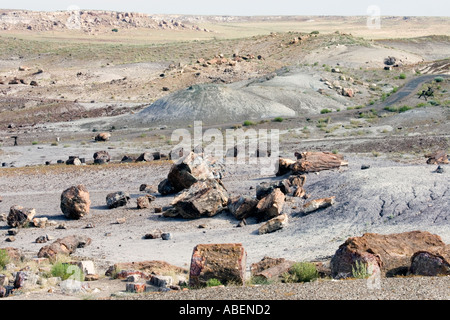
248	123
67	271
402	76
438	79
360	270
213	282
278	119
4	258
323	111
315	32
301	272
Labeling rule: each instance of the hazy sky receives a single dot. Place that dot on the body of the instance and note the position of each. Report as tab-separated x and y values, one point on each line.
243	7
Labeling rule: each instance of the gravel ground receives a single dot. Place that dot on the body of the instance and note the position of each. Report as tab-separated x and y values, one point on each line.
409	288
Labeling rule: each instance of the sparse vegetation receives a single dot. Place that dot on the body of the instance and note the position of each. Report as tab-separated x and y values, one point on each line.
323	111
248	123
4	258
301	272
360	270
213	282
402	76
278	119
67	271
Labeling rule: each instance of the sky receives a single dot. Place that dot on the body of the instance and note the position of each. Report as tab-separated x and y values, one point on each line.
243	7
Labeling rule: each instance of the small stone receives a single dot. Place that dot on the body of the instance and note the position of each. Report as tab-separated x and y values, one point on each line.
365	166
61	226
41	239
155	234
10	239
91	277
121	220
158	209
166	236
89	226
13	232
439	169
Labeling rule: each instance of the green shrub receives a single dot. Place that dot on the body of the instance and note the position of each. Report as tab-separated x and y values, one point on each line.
4	258
278	119
402	76
248	123
360	270
260	280
34	143
315	32
438	79
301	272
323	111
67	271
213	282
115	30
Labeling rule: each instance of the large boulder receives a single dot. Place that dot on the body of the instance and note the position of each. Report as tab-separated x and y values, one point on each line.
75	202
203	198
392	253
64	246
19	216
224	262
271	206
192	168
431	263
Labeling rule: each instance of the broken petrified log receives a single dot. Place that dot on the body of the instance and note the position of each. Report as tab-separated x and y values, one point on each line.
192	168
317	204
284	166
317	161
242	207
117	199
271	206
276	270
438	157
224	262
274	224
203	198
431	263
64	246
392	252
19	216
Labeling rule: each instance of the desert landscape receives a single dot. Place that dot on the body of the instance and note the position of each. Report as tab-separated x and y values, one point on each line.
99	201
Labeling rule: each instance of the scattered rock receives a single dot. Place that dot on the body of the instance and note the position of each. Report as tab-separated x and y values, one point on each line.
73	160
317	204
439	169
203	198
365	167
192	168
271	206
64	246
148	188
10	239
117	199
165	187
19	216
121	220
40	222
155	234
75	202
103	136
242	207
145	157
224	262
166	236
273	224
101	157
